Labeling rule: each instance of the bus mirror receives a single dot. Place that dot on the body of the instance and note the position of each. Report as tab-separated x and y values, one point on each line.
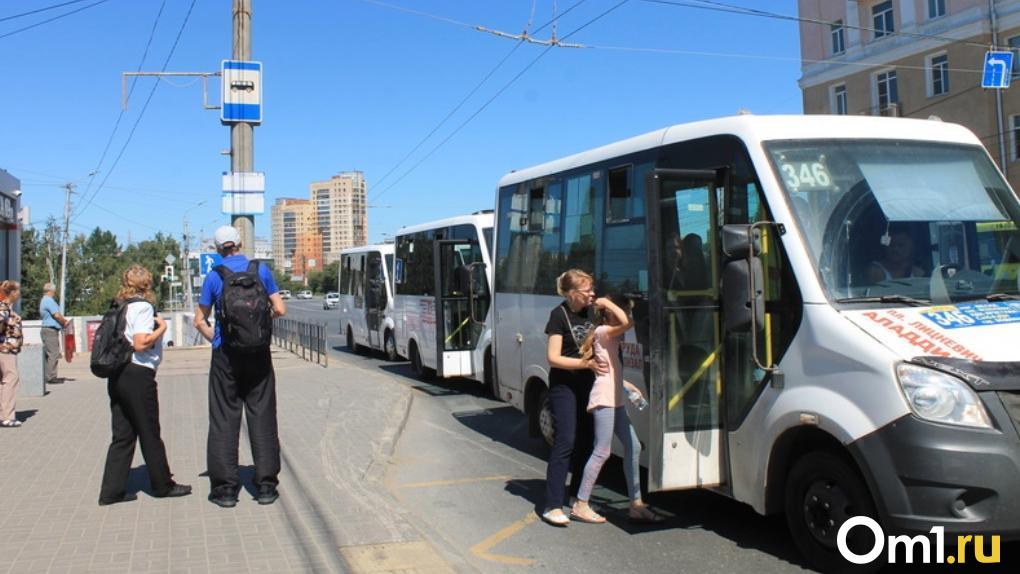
739	241
742	296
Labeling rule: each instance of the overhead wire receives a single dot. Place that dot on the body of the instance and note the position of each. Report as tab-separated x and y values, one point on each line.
38	10
48	20
141	114
471	92
503	89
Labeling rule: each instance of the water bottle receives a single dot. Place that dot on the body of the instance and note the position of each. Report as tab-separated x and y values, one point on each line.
637	400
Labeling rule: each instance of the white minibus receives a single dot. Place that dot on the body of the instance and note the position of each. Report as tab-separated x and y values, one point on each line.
825	309
442	297
366	298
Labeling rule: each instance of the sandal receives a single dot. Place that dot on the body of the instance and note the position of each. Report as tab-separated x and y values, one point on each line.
555	518
645	515
13	423
591	517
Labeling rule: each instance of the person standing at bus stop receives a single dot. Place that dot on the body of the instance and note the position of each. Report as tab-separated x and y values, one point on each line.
570	384
53	322
241	372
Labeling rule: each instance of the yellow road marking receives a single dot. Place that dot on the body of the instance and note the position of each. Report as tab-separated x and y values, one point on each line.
453	481
481	549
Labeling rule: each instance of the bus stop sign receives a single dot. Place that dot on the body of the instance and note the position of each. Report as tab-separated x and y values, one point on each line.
998	70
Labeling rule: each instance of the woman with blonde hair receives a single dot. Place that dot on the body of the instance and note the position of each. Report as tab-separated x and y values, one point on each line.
134	399
570	383
10	345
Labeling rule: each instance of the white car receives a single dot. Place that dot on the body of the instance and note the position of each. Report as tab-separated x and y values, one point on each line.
306	294
284	294
331	301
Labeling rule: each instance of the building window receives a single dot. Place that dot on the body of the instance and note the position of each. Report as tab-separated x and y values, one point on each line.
882	17
1014	136
838	33
936	8
888	94
839	100
1014	46
938	75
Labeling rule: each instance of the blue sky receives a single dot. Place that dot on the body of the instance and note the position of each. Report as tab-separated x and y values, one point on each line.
356	84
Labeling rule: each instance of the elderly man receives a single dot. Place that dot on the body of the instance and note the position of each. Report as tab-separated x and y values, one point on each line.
53	322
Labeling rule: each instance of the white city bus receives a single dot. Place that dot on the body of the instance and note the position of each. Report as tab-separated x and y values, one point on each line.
825	310
366	298
442	283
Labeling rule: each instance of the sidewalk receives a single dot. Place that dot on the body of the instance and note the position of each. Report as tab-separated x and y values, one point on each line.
337	428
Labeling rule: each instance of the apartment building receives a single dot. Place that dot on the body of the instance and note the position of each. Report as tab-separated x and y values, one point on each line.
296	249
341	212
914	58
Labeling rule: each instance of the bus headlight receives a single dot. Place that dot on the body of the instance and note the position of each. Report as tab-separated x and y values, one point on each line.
942	398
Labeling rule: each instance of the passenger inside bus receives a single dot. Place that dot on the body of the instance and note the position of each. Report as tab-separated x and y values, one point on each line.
898	258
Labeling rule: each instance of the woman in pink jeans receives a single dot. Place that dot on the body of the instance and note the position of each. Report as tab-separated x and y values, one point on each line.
607	407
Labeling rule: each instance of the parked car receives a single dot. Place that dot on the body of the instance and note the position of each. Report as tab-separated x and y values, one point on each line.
284	293
331	301
306	294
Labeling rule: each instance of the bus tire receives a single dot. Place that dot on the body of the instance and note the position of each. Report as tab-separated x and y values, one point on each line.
417	365
489	376
351	345
390	347
544	418
823	490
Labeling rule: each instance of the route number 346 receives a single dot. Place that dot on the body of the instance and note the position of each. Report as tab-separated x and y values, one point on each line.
804	176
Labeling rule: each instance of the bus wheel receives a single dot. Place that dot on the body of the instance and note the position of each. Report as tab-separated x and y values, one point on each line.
419	368
351	345
545	418
822	492
489	376
390	347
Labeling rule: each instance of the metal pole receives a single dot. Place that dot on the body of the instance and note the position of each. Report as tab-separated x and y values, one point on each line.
242	144
1000	123
63	251
186	248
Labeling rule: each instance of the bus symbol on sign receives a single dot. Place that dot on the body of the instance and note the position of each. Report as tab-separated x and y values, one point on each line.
998	70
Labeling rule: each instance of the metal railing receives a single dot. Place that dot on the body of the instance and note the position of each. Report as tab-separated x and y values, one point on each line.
305	339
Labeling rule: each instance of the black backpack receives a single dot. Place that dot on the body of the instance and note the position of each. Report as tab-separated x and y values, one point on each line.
243	312
111	350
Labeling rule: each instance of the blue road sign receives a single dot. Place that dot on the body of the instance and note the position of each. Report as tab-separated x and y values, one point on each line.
206	262
998	69
242	92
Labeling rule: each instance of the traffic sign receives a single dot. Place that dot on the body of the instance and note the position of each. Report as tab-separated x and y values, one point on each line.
206	262
998	70
242	92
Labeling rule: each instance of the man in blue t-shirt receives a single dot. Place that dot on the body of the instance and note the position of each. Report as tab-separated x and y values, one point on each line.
236	381
53	322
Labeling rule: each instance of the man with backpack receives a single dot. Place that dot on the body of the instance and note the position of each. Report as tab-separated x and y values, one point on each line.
241	375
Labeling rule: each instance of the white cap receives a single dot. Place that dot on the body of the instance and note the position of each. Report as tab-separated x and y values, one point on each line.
226	234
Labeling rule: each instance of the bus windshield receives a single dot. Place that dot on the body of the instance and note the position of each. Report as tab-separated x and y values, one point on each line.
902	222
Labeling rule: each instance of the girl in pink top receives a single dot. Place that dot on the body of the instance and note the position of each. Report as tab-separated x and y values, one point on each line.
606	403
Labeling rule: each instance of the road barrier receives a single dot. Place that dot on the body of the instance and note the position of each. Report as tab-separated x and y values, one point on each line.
305	339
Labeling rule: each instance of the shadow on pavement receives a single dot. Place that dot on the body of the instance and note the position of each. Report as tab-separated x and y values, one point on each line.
25	414
435	386
694	509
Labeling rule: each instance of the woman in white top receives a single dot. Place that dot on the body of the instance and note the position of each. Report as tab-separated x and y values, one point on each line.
134	400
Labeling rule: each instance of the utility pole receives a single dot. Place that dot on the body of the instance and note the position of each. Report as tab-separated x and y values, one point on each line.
186	270
242	143
69	189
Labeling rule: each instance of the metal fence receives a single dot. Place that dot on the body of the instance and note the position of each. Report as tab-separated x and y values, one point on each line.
305	339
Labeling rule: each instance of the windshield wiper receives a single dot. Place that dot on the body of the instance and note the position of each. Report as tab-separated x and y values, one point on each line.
887	299
1002	297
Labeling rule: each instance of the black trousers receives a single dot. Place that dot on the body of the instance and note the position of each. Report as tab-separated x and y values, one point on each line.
134	414
573	438
236	381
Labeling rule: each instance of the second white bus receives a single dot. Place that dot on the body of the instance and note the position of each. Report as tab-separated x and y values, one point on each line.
366	298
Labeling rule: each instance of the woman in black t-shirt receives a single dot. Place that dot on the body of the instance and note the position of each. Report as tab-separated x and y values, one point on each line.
570	381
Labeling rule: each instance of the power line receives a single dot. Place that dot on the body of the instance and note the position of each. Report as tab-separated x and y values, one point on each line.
47	21
493	98
131	90
30	12
141	114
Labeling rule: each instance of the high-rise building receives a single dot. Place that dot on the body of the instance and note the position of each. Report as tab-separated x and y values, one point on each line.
341	212
296	246
914	58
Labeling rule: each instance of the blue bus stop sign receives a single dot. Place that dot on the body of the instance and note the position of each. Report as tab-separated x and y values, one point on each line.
206	262
998	69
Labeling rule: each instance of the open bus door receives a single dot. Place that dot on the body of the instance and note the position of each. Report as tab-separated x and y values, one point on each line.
375	298
457	323
686	437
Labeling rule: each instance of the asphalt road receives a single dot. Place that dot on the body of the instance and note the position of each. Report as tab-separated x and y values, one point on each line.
466	471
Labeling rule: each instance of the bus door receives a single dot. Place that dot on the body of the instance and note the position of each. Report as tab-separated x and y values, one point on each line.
375	298
686	441
458	296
